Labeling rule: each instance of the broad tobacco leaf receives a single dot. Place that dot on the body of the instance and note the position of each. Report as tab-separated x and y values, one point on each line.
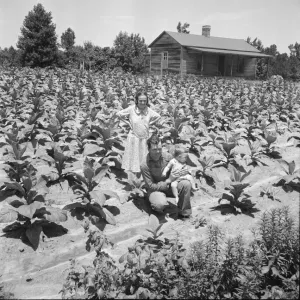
100	173
33	234
153	223
53	214
90	149
98	197
88	173
289	178
29	210
292	167
8	215
104	213
74	205
14	186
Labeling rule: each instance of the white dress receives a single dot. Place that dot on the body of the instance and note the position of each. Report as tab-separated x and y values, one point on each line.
136	144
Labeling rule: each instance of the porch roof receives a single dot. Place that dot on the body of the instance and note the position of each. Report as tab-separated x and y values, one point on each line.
225	51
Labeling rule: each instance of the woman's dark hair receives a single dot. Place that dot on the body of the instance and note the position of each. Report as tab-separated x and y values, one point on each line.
141	93
154	139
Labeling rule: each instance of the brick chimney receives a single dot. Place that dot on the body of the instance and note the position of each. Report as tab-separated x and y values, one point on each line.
206	30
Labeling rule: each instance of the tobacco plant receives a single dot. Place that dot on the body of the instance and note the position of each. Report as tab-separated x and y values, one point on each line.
107	135
152	264
269	191
134	185
268	146
236	191
175	122
292	176
100	280
226	147
207	164
92	199
192	137
29	208
59	165
256	156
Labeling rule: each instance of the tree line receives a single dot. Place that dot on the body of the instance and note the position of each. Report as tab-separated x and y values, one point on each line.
38	46
287	66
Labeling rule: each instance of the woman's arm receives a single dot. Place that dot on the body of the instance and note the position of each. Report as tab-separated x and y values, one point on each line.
123	115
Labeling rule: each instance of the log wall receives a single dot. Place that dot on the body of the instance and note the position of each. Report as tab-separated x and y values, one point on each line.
165	43
191	62
186	61
248	69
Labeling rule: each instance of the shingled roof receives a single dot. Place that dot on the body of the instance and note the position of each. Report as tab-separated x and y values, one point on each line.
217	43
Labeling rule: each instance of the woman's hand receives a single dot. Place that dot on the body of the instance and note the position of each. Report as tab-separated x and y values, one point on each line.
176	174
123	119
129	124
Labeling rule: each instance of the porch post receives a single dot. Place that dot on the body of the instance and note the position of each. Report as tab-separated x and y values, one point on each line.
181	55
150	60
161	64
268	68
202	63
231	65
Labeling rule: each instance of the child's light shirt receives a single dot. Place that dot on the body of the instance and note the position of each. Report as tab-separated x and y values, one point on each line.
176	165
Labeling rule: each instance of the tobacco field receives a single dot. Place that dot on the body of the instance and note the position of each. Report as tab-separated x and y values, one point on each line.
75	225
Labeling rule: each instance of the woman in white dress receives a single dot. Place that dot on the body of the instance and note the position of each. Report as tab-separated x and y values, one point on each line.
139	117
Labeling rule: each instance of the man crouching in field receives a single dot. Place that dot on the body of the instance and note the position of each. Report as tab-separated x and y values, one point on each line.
158	187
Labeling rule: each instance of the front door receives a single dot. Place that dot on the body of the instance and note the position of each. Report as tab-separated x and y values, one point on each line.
221	67
164	60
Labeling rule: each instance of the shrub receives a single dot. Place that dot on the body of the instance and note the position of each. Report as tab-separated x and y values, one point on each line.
215	268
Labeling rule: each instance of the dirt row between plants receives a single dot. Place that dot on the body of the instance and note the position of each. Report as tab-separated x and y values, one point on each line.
30	274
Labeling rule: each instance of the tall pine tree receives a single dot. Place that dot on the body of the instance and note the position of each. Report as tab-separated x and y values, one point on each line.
38	40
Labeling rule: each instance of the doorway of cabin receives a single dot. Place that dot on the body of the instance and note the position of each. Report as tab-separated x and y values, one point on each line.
221	66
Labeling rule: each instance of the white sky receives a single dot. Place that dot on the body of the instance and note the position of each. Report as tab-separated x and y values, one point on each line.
99	21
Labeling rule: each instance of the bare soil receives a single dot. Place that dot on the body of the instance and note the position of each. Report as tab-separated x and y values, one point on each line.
40	274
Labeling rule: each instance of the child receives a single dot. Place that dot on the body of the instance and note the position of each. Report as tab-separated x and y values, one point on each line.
176	164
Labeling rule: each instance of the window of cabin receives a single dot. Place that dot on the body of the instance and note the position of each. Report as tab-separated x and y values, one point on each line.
240	64
165	59
166	55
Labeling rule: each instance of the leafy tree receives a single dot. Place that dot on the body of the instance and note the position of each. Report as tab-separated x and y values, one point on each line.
104	58
130	50
294	68
280	64
38	41
68	39
9	57
272	50
295	50
261	66
183	28
255	43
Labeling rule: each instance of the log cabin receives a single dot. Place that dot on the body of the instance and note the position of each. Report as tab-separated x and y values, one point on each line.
203	55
